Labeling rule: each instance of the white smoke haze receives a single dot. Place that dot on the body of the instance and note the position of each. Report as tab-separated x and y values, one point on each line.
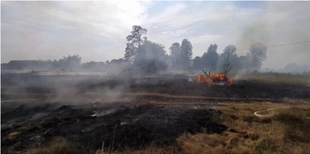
282	23
71	95
97	30
88	89
67	89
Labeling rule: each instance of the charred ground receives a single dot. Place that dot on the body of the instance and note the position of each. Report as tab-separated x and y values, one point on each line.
116	112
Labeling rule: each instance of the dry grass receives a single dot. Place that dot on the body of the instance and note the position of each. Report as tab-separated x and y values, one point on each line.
286	131
152	149
271	134
282	78
57	145
296	124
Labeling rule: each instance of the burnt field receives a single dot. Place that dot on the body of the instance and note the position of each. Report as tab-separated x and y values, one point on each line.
115	113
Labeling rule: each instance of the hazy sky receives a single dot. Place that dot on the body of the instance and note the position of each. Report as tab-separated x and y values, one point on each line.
97	30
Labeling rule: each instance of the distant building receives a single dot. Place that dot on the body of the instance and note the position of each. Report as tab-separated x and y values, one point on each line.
4	66
22	65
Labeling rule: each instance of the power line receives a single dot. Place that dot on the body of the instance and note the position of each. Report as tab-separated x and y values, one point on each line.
289	44
282	45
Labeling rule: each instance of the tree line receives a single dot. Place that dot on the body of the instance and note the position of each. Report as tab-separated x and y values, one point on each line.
147	57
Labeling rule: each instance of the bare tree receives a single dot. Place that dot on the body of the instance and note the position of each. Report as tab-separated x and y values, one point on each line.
226	65
206	73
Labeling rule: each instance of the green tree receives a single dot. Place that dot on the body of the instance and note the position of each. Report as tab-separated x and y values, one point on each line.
69	63
186	54
152	50
134	42
175	51
93	66
257	55
210	58
152	58
233	58
197	63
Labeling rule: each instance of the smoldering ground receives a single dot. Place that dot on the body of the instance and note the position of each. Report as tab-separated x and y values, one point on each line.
90	112
65	88
35	96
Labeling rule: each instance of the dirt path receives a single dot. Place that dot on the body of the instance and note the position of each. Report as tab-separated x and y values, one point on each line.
198	97
156	96
19	100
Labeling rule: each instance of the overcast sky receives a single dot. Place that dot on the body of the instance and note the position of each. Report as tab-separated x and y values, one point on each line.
97	30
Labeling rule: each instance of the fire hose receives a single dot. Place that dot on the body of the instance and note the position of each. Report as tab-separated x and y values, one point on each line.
257	113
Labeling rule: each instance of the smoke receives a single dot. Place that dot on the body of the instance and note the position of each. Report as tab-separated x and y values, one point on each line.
281	24
72	95
257	32
66	89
